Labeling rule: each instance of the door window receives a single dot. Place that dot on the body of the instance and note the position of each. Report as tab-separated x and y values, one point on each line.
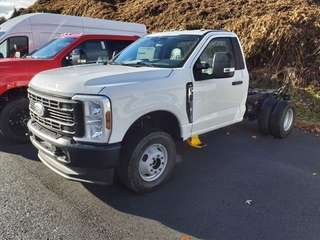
14	47
94	51
204	69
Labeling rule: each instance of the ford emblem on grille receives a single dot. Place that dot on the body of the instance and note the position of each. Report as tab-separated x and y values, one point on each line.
39	109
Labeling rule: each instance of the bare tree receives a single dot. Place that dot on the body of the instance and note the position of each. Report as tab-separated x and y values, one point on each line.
15	13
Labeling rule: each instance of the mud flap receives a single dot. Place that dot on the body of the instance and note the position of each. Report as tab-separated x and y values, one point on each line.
196	142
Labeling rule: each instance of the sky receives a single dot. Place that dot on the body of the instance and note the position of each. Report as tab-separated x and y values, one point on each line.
6	6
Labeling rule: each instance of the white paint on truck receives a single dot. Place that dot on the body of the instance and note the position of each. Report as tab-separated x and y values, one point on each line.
165	87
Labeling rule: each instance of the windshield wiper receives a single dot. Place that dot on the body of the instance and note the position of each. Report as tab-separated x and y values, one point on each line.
113	63
131	64
139	64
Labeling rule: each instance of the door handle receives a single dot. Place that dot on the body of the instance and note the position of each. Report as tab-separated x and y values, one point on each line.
237	82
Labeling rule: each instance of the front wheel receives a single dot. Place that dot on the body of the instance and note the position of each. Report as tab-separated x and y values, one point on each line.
147	160
13	121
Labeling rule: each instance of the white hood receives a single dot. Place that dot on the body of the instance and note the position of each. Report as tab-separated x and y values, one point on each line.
91	79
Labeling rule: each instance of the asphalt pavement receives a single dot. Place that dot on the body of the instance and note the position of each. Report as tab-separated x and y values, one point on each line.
243	185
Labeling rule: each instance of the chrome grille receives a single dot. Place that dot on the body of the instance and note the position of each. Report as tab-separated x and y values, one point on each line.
63	116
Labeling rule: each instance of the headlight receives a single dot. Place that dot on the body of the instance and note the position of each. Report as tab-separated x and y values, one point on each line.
97	118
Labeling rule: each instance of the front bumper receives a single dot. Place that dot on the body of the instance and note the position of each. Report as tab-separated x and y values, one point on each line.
74	161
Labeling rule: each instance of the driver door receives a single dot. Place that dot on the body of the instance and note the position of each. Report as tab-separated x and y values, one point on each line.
218	94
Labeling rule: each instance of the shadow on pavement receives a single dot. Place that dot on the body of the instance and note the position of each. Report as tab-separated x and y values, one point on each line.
25	150
206	195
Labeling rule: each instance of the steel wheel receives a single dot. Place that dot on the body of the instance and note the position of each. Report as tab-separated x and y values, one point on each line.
288	120
147	159
18	121
283	118
153	162
13	120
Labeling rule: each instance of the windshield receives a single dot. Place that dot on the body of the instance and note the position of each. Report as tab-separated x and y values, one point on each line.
164	51
1	33
51	49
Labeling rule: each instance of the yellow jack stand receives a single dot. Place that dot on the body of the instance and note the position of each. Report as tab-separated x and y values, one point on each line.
195	142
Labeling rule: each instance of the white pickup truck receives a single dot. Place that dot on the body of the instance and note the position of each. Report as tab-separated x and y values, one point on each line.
87	121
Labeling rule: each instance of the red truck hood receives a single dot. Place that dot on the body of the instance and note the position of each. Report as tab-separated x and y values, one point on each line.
19	69
16	62
17	72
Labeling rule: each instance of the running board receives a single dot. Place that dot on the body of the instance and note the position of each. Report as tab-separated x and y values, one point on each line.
196	142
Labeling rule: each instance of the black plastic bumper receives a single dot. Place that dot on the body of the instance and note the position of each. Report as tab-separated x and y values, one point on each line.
74	161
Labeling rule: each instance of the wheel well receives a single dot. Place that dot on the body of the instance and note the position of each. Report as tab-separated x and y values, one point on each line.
163	120
11	94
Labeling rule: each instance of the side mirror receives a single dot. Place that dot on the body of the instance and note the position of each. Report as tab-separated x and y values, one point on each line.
223	65
78	56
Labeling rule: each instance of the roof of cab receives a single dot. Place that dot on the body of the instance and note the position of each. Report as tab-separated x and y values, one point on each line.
78	35
199	32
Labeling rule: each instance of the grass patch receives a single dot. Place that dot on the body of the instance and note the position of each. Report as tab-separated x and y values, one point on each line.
307	101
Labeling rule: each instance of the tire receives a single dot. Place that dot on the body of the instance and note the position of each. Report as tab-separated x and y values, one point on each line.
147	160
265	114
283	118
13	121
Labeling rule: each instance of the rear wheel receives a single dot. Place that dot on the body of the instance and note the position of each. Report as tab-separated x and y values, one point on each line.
283	118
13	121
147	160
265	114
